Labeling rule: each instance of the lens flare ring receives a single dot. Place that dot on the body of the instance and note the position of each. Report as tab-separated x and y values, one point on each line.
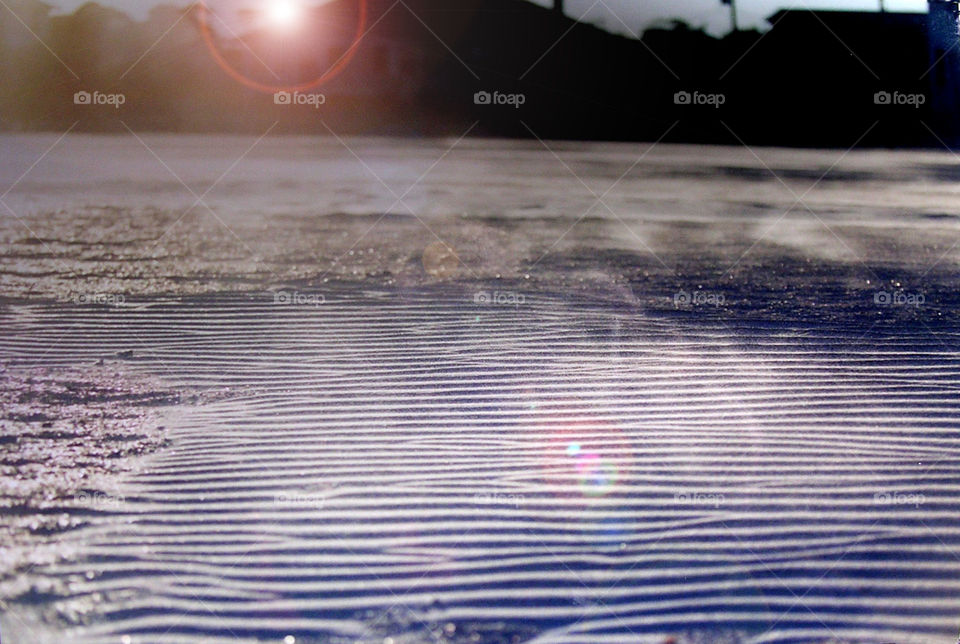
204	12
591	453
597	476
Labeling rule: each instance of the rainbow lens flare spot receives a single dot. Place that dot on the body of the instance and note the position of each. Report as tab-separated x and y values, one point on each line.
597	476
583	455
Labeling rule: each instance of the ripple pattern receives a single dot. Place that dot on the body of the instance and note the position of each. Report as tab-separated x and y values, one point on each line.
419	468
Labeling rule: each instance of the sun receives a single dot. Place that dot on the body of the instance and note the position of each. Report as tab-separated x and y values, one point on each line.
284	13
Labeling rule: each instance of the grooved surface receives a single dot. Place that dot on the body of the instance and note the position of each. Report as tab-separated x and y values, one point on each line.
428	469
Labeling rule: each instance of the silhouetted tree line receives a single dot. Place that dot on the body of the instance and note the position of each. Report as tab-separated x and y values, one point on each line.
516	68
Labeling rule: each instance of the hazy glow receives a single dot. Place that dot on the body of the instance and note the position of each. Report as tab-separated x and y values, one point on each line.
284	13
597	475
617	15
583	455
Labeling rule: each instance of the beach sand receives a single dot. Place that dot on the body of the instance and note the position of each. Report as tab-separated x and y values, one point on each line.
473	391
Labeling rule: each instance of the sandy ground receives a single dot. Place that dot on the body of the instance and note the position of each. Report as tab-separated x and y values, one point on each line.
784	238
67	435
186	215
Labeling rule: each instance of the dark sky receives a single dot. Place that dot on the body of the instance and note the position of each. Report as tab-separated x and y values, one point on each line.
619	15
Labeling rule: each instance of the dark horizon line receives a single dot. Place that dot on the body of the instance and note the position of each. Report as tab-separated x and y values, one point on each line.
664	23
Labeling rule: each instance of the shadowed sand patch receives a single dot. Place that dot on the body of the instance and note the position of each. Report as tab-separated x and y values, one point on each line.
68	434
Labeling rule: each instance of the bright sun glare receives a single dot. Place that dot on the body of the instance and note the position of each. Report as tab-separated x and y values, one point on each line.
283	13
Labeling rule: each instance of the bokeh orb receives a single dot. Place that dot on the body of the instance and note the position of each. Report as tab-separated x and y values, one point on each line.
440	260
583	457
